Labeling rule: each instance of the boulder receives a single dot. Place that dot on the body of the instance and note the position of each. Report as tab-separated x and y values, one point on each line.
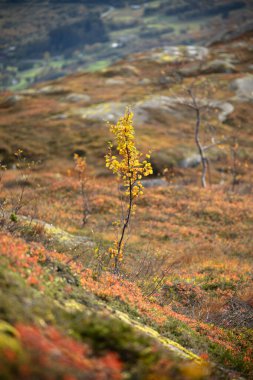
191	161
53	236
175	53
243	87
154	182
102	112
225	108
110	112
148	107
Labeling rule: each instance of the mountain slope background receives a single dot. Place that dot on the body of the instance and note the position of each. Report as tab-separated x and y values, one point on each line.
47	40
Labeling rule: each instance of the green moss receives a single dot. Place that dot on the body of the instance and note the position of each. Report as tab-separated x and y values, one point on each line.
9	338
181	333
112	334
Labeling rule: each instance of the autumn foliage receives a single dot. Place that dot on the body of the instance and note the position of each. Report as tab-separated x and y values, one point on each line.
129	167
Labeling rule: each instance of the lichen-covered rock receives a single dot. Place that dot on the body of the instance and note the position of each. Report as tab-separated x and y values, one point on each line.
54	237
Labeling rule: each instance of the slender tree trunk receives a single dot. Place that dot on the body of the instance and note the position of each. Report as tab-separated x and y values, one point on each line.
85	201
127	219
234	169
125	225
200	148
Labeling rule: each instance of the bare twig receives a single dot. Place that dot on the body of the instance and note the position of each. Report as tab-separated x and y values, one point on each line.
197	108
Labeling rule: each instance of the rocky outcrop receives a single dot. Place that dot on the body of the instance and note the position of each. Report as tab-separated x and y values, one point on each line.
54	237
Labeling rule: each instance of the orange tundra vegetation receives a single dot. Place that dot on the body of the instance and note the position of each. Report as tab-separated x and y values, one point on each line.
186	273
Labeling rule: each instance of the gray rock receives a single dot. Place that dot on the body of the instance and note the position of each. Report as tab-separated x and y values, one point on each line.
150	183
102	112
145	81
191	161
174	105
225	108
243	87
77	98
53	90
110	112
159	103
114	82
154	182
61	116
197	52
172	53
143	109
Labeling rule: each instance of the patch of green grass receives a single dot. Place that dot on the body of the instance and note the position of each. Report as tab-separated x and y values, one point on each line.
184	335
57	64
20	85
219	284
98	65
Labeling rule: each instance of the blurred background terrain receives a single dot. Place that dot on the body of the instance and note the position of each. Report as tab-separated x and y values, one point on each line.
43	40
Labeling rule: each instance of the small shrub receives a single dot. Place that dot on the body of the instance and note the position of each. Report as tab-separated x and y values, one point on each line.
129	167
81	169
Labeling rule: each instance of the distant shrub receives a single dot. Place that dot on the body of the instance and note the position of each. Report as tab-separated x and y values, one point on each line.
81	169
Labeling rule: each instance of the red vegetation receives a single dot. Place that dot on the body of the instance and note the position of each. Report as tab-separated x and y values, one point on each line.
27	259
56	353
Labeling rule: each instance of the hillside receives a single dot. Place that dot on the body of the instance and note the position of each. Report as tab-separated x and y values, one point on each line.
57	119
45	40
181	305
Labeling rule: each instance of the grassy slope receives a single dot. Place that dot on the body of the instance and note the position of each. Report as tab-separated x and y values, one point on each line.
199	236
